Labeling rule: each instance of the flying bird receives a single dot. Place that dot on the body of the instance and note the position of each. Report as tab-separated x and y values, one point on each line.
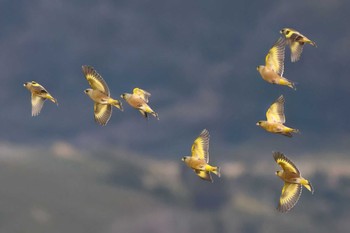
100	94
273	70
276	119
199	158
296	42
139	100
293	182
39	95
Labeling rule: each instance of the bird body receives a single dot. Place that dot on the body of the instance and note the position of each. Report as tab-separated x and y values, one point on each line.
296	42
273	70
276	119
38	97
100	94
139	100
199	159
293	182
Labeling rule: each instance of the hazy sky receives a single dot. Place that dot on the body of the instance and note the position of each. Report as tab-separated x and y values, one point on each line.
197	58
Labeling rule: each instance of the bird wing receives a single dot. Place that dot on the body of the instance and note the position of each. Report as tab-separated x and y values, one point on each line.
296	48
275	58
289	196
204	175
275	113
95	80
285	163
144	95
200	146
102	113
37	104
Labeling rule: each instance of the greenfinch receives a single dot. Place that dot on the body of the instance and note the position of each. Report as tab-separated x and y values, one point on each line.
199	158
139	100
274	65
276	119
100	94
296	42
293	182
39	95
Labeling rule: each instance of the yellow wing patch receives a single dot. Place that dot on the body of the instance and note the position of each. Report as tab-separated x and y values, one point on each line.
142	94
95	80
200	146
285	163
275	57
289	196
276	111
102	113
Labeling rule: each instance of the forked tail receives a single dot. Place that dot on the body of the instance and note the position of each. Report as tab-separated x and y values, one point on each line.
216	171
116	103
307	184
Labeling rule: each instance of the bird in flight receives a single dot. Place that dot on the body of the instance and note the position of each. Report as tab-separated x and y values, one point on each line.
276	119
139	100
293	182
199	158
39	96
100	94
273	70
296	42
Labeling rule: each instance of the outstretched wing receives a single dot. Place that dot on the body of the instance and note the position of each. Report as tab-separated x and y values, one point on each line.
37	104
95	80
275	58
275	113
285	163
142	94
102	113
200	147
289	196
296	48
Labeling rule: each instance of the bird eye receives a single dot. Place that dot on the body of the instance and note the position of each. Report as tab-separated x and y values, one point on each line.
287	32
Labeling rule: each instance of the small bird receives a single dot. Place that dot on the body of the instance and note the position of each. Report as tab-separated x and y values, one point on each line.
274	65
139	100
293	182
296	41
39	95
100	94
199	159
276	118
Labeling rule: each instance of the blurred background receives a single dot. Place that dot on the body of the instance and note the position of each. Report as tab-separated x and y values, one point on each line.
61	172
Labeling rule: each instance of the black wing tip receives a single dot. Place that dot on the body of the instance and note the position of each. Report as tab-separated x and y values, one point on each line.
87	69
277	155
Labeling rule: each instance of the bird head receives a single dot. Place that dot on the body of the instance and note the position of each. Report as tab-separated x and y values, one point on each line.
258	68
87	91
25	84
124	96
278	173
258	123
184	158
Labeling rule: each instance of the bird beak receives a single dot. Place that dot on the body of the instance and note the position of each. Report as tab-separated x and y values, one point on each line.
25	84
257	123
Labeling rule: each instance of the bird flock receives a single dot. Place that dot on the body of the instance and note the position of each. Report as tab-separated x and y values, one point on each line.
198	161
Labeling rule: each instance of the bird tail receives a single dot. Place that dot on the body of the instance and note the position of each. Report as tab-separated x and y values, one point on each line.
286	82
216	171
296	131
307	184
116	103
148	109
52	99
312	43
